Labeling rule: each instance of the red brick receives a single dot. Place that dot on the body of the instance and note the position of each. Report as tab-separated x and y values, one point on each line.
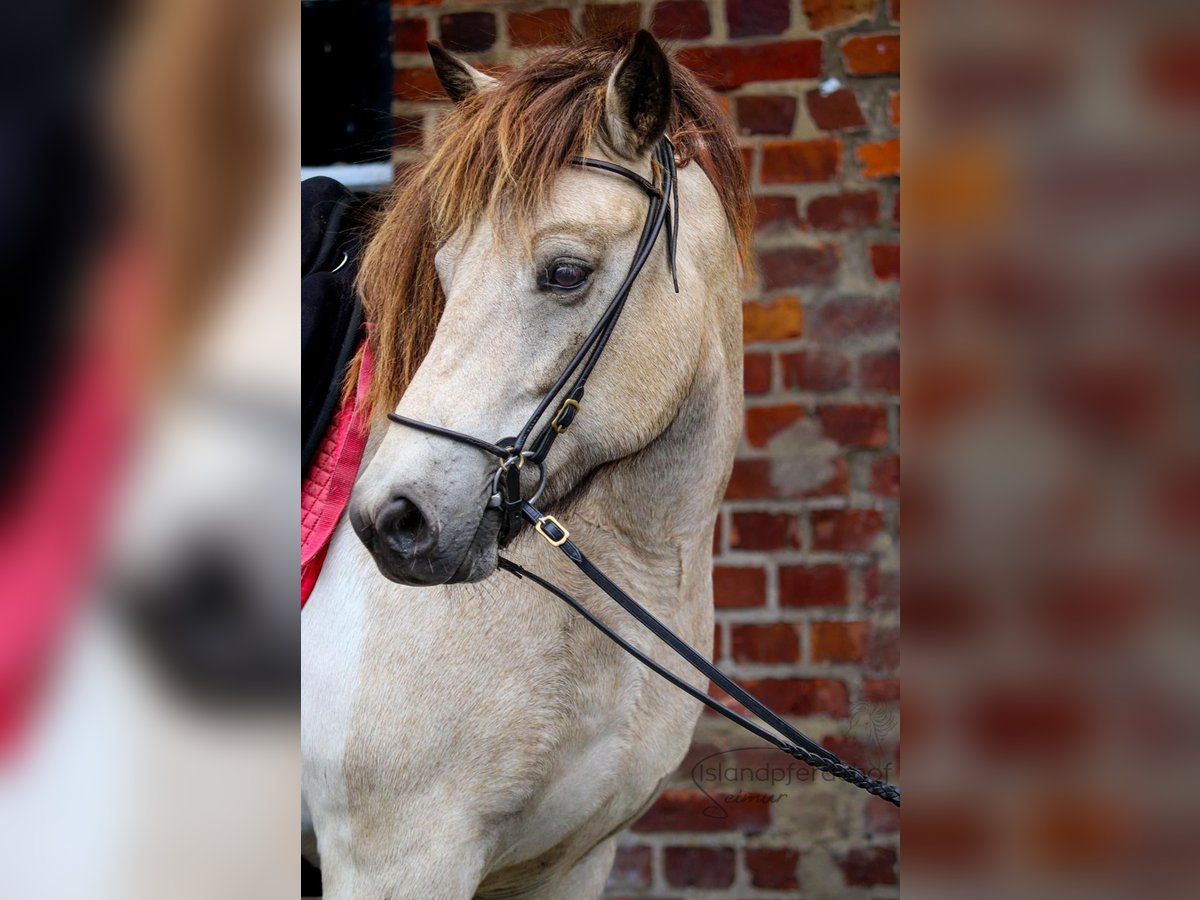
417	84
764	531
1028	721
796	266
756	373
835	111
684	810
880	371
544	28
748	18
760	479
881	690
838	641
880	159
885	261
751	480
727	67
845	530
885	476
716	536
739	586
894	108
716	644
894	10
700	867
764	422
841	212
872	54
775	213
798	162
778	320
773	868
869	866
815	370
883	650
681	20
468	32
409	131
830	13
631	868
1170	71
827	584
765	114
850	317
799	696
776	642
855	424
604	18
410	35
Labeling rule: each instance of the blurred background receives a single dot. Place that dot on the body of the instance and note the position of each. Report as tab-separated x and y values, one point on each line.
150	400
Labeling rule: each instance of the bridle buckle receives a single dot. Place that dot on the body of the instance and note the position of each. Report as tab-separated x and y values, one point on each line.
555	423
557	524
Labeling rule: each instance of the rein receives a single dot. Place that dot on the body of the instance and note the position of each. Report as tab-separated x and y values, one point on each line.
517	510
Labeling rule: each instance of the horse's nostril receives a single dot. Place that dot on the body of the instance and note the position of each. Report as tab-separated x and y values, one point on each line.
404	528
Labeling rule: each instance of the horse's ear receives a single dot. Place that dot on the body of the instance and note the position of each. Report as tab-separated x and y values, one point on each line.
459	79
637	104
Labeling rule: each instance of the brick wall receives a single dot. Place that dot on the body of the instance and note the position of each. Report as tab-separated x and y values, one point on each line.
807	542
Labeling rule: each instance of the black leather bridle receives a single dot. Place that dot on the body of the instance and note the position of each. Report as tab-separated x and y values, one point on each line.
517	510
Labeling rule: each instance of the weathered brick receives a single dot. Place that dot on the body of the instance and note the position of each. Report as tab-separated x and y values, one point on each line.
414	85
826	584
775	213
881	690
756	373
838	641
773	868
880	371
836	111
631	868
764	531
468	32
880	159
799	162
869	866
841	212
684	810
764	422
766	114
410	35
796	266
604	18
885	261
777	320
700	867
735	587
748	18
727	67
815	370
543	28
681	20
883	650
885	476
855	424
831	13
872	54
850	317
773	642
845	530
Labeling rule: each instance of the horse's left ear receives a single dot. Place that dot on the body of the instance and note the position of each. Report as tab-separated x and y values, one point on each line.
637	104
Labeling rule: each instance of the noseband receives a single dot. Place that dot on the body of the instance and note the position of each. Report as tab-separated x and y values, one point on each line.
517	510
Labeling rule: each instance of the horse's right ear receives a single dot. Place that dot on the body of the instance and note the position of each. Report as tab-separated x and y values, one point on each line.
637	103
459	79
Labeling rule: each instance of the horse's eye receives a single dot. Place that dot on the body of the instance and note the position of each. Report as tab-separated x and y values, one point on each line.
566	275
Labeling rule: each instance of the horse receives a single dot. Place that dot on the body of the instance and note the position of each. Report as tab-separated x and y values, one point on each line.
464	734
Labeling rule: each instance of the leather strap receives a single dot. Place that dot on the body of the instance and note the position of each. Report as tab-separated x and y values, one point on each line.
795	743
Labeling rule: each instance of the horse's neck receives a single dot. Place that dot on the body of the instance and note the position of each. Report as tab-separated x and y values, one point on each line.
664	498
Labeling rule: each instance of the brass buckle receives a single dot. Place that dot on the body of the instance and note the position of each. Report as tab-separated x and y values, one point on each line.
551	541
562	411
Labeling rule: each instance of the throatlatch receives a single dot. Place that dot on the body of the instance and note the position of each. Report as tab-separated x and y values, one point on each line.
517	510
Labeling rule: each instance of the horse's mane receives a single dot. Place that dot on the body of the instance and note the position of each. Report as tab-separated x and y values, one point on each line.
497	154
